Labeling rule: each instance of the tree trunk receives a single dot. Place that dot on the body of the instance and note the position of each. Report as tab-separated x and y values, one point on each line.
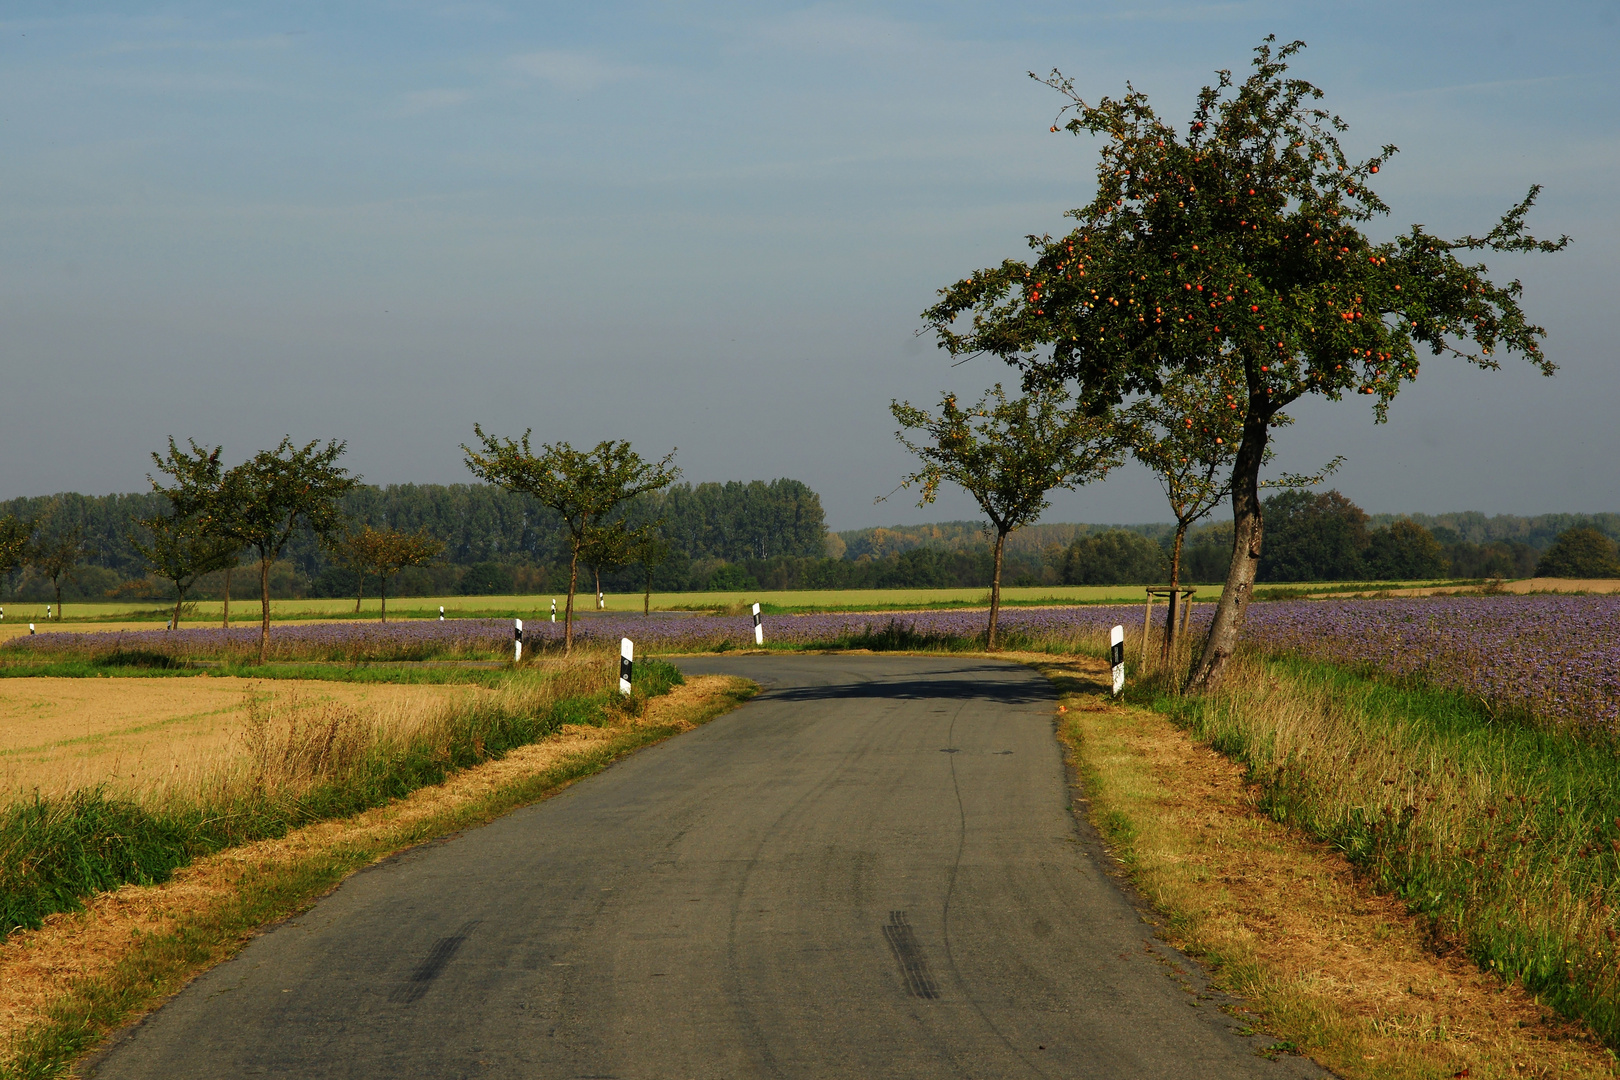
264	602
360	591
383	588
568	613
1175	591
56	583
597	571
225	620
995	594
1246	537
179	601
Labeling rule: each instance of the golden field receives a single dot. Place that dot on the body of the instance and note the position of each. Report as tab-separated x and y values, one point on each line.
149	737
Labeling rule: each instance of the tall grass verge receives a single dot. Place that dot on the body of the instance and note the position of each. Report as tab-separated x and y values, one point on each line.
1503	834
299	763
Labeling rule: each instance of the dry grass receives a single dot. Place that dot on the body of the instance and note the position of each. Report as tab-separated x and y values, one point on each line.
152	739
1345	975
77	950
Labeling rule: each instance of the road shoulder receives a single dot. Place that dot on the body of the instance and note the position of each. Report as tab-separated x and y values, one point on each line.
1327	968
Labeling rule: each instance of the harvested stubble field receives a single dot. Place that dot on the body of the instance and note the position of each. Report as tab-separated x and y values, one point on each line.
148	737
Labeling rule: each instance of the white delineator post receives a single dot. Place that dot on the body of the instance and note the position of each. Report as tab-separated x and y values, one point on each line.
441	613
553	609
600	603
1116	657
517	640
759	631
627	663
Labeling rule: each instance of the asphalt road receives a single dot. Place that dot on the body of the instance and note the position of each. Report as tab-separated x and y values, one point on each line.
869	871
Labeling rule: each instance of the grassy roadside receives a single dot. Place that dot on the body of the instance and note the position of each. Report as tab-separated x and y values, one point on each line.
299	767
133	948
1283	921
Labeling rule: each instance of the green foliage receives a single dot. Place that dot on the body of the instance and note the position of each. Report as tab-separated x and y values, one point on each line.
1313	538
1009	455
261	503
385	552
15	536
584	487
1580	553
487	579
1237	243
736	521
56	550
181	549
1405	551
54	851
1115	558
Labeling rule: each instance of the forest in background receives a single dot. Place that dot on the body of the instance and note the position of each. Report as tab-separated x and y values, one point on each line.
772	535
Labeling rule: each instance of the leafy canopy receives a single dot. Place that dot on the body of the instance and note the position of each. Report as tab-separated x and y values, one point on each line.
583	486
1238	239
1009	455
15	535
261	501
181	549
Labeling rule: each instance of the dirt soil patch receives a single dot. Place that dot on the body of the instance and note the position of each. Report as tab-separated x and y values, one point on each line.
137	734
1332	969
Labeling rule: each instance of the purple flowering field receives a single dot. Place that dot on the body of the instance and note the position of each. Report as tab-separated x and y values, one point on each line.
1558	656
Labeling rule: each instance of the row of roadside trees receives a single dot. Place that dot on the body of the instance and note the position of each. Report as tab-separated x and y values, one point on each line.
1220	273
216	513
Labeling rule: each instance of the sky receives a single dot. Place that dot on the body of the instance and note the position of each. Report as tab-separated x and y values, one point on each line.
714	226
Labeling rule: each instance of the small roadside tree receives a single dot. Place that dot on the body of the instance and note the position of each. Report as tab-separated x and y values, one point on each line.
1008	455
194	493
56	551
1186	437
182	549
1239	242
16	536
261	503
606	547
346	550
583	486
650	550
385	552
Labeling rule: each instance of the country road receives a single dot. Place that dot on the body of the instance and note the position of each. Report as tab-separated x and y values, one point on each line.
870	870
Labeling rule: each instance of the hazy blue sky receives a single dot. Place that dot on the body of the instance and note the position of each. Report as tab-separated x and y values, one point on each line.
712	226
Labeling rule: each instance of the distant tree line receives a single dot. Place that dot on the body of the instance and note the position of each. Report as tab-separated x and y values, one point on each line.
494	541
771	535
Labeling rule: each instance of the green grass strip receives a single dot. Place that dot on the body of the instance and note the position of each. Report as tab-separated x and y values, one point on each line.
1504	834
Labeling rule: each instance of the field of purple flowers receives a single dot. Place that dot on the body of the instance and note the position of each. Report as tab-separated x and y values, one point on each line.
1557	656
